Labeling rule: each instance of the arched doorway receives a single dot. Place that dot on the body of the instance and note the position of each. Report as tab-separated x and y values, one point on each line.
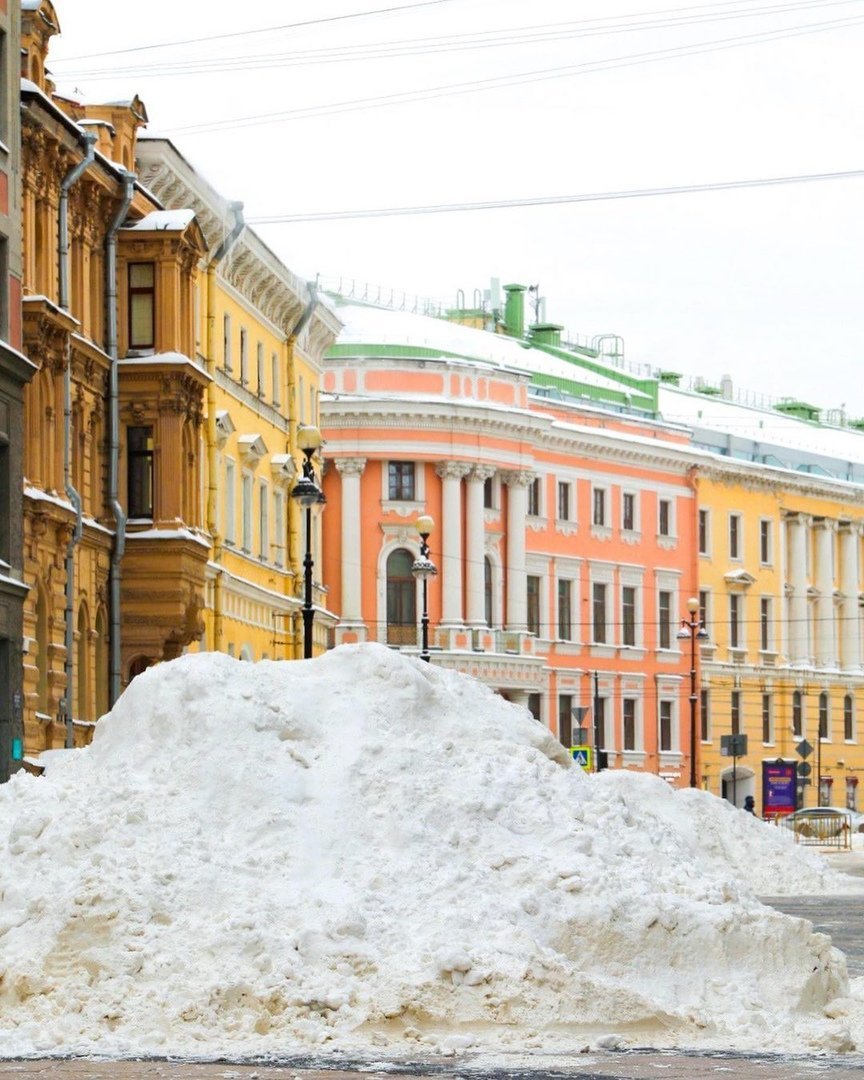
737	784
401	599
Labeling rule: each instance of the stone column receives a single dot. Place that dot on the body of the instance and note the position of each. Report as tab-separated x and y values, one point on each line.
517	510
850	651
475	545
451	473
826	653
350	470
797	526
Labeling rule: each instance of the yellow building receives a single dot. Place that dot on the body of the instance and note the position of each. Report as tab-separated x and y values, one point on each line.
261	337
780	571
114	547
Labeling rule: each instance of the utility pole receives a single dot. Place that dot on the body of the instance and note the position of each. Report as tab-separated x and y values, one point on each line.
597	719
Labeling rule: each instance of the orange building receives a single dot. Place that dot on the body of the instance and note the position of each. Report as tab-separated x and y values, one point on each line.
564	533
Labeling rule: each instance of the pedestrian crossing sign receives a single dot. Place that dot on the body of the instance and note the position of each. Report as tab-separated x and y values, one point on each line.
582	756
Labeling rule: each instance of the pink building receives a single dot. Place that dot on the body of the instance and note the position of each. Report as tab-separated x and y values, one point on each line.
564	523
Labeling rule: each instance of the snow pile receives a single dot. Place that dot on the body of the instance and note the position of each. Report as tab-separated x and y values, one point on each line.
364	851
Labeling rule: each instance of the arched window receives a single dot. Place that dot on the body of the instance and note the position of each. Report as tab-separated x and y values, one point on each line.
401	599
487	588
139	664
82	673
102	662
42	643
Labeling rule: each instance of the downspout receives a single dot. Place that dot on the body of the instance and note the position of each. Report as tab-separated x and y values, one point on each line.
294	511
210	367
114	431
69	179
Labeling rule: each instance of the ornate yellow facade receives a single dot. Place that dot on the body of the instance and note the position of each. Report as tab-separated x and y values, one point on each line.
781	576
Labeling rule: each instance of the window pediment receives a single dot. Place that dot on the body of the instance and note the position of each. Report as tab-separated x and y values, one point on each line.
740	579
282	468
224	427
251	449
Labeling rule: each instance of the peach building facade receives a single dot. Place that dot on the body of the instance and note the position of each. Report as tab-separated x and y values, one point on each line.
564	536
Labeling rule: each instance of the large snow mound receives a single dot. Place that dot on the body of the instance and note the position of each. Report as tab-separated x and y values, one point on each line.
364	849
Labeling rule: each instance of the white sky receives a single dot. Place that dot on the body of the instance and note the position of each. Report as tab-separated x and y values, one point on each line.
765	284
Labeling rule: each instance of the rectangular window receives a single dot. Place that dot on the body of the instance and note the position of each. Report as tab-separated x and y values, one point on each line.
848	719
851	793
534	706
599	513
139	475
765	624
259	365
797	714
664	620
703	607
823	716
628	511
142	305
244	356
488	494
628	615
563	501
230	502
276	379
664	517
765	543
703	532
400	480
264	522
599	709
598	592
628	706
665	726
734	536
279	528
705	715
5	495
226	342
533	591
734	621
767	720
246	543
565	609
534	497
735	712
565	719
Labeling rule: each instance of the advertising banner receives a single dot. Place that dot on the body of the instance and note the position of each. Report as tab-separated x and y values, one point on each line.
779	783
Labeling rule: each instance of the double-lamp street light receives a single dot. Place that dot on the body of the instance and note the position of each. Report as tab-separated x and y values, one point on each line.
423	568
308	495
693	628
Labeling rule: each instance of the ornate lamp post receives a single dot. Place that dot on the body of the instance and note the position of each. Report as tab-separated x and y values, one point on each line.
694	629
423	568
308	495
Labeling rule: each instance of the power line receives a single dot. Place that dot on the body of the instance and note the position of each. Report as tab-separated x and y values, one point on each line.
519	79
532	34
555	200
260	30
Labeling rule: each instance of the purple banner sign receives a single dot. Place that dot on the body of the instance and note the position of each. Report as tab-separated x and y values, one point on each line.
779	783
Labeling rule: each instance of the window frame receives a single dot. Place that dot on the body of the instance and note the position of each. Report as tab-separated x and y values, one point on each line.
398	473
599	606
736	536
134	458
135	293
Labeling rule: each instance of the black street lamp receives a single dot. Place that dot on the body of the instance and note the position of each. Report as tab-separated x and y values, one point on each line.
694	629
423	568
308	495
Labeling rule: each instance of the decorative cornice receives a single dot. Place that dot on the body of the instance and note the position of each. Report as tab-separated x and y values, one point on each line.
517	478
350	466
452	470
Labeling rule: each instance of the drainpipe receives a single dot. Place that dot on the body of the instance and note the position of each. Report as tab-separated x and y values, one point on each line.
210	366
114	430
294	510
70	178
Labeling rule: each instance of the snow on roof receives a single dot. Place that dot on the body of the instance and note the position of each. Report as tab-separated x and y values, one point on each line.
365	324
765	426
159	220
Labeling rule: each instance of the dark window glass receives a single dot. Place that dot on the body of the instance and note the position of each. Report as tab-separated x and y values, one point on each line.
401	480
767	733
703	532
765	541
563	501
487	589
534	705
734	536
736	712
848	719
401	599
599	506
139	444
664	629
628	512
488	493
797	714
704	713
533	586
599	612
823	716
734	621
664	518
764	624
628	615
629	714
565	624
599	722
534	497
565	719
703	607
142	305
666	725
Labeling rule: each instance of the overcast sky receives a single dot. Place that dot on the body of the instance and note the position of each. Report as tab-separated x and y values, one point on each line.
765	284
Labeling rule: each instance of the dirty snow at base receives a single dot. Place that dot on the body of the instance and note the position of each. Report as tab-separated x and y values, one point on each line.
367	853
